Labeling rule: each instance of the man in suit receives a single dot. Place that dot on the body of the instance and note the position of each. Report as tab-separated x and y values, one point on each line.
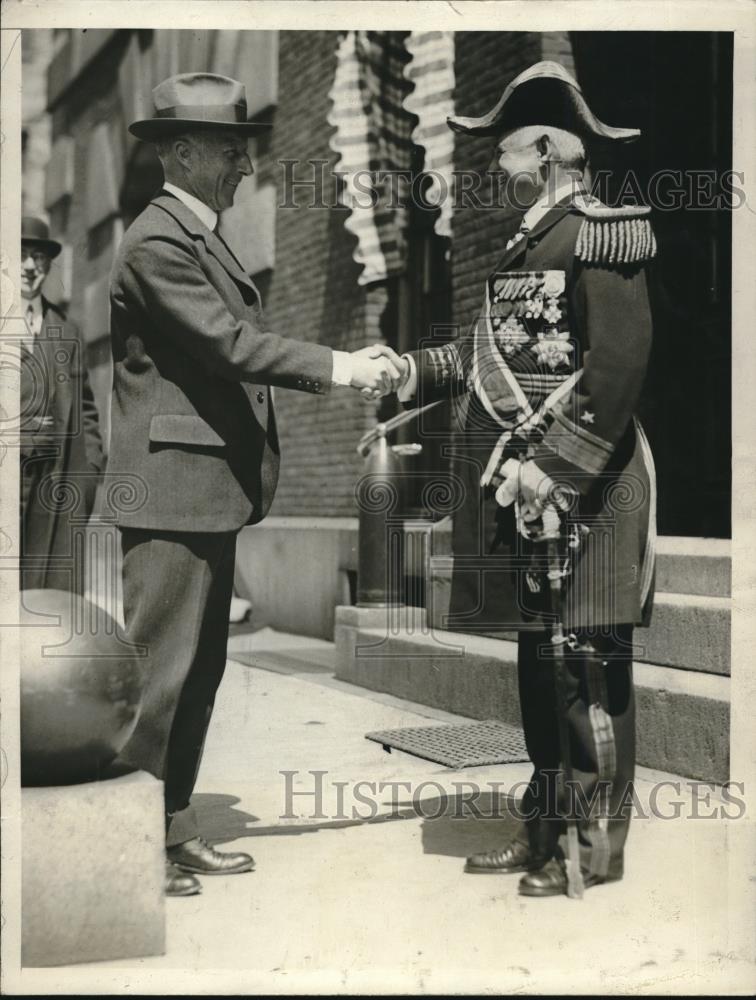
551	375
61	449
192	418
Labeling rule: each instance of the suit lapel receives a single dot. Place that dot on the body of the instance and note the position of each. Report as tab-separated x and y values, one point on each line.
189	222
60	362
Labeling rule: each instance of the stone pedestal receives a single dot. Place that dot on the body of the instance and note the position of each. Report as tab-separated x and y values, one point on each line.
93	871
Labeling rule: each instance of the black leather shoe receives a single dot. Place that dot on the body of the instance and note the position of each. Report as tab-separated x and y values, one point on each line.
199	858
179	884
508	860
551	880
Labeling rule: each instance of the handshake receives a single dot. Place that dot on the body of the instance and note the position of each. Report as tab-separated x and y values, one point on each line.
378	371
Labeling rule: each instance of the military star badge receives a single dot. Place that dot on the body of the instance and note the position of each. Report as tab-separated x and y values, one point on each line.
553	348
587	417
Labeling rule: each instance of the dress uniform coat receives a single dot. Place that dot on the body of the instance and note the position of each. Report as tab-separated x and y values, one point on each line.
194	438
570	297
61	454
592	444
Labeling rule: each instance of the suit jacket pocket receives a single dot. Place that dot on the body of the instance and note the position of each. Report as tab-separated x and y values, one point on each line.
184	428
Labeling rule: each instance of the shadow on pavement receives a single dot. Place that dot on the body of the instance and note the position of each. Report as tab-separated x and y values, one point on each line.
460	832
452	826
218	818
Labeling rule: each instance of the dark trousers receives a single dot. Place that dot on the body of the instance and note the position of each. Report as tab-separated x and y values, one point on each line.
177	589
601	725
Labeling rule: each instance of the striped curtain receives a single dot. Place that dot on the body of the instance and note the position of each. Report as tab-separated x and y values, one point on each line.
431	71
390	97
372	135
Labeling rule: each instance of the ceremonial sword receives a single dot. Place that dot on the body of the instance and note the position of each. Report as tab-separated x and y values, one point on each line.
551	535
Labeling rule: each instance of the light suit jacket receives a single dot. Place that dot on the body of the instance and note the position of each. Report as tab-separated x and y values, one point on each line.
193	427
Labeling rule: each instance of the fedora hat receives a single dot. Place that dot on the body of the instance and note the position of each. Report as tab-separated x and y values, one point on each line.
544	94
199	100
36	231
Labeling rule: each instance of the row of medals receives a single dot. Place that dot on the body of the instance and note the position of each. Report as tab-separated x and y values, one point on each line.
540	299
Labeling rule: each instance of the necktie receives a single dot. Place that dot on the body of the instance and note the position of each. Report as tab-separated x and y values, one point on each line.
521	233
30	333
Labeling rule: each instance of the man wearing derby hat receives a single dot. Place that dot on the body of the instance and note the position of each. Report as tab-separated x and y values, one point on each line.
61	449
552	371
192	417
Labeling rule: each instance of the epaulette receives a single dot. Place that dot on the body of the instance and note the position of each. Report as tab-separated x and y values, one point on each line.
615	235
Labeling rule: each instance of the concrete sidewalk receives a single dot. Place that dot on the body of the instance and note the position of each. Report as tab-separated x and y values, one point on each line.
347	903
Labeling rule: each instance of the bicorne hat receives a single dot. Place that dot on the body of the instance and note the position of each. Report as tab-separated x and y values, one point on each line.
199	100
37	232
544	94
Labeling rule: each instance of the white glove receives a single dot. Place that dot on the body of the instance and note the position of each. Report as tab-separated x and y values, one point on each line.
506	494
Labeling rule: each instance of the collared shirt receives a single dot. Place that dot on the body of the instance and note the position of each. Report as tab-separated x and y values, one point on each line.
536	212
342	361
203	212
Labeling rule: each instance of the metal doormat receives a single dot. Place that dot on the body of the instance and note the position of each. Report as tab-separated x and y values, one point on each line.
470	744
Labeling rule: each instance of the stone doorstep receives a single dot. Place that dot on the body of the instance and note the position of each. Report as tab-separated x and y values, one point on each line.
688	631
682	716
694	566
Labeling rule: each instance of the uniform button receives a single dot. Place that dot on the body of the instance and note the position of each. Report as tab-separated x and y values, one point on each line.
261	397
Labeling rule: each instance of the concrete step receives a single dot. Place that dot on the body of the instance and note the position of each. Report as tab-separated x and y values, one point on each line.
682	716
688	631
693	565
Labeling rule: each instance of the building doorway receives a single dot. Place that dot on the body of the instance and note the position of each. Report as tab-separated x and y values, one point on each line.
677	88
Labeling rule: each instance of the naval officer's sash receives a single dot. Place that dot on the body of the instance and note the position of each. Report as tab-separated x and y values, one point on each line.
524	358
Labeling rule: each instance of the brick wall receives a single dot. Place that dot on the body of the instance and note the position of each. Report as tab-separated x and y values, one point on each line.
313	292
485	62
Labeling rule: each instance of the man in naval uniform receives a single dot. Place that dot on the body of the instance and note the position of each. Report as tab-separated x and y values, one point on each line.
550	377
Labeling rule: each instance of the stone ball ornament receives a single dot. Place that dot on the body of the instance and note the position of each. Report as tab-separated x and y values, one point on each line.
81	688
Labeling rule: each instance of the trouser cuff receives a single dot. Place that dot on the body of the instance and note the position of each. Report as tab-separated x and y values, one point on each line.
181	826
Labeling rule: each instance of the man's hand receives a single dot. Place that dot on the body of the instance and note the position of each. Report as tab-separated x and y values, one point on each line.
404	373
533	485
537	489
534	489
377	370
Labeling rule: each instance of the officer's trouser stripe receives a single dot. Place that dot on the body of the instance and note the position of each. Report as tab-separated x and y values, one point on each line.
649	554
606	763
